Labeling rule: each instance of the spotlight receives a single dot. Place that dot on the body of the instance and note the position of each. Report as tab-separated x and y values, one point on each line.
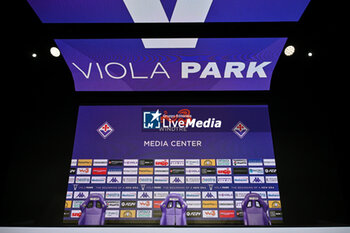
289	50
34	55
309	54
55	52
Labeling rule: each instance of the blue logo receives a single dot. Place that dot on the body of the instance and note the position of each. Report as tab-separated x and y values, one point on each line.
151	120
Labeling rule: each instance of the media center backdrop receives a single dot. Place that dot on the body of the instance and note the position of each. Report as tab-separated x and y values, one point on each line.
134	156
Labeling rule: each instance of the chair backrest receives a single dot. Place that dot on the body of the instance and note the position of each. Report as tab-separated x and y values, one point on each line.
255	210
93	210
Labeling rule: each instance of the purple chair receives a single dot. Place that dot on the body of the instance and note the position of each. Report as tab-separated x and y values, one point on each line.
173	210
93	210
255	210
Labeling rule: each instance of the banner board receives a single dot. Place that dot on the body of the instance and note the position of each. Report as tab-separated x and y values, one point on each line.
134	156
172	64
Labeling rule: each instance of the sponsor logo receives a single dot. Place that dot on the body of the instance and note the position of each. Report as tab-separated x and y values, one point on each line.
128	204
144	214
112	214
241	194
102	193
177	179
275	204
193	179
194	214
210	213
226	213
240	130
105	130
239	162
193	171
224	179
114	179
209	195
113	204
160	195
66	213
177	162
193	195
161	171
77	204
131	162
269	162
71	180
146	171
271	179
85	162
144	195
192	162
257	179
210	204
69	195
144	204
194	204
99	171
240	170
255	162
156	204
223	162
128	195
100	162
130	179
151	120
112	195
127	213
256	171
182	194
275	213
273	195
115	162
146	162
145	179
68	204
209	180
239	206
130	171
81	195
225	195
240	179
115	171
207	162
82	180
98	179
75	213
270	171
72	171
161	179
161	162
84	171
73	162
177	171
224	171
226	204
261	193
208	171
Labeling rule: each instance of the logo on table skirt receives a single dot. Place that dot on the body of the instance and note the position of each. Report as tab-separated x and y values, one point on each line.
105	130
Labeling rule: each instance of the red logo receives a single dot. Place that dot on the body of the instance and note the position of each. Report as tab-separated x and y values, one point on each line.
162	163
182	115
99	171
226	213
226	171
156	204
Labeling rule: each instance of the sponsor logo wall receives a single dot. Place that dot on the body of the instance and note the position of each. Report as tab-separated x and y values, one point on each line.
135	177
